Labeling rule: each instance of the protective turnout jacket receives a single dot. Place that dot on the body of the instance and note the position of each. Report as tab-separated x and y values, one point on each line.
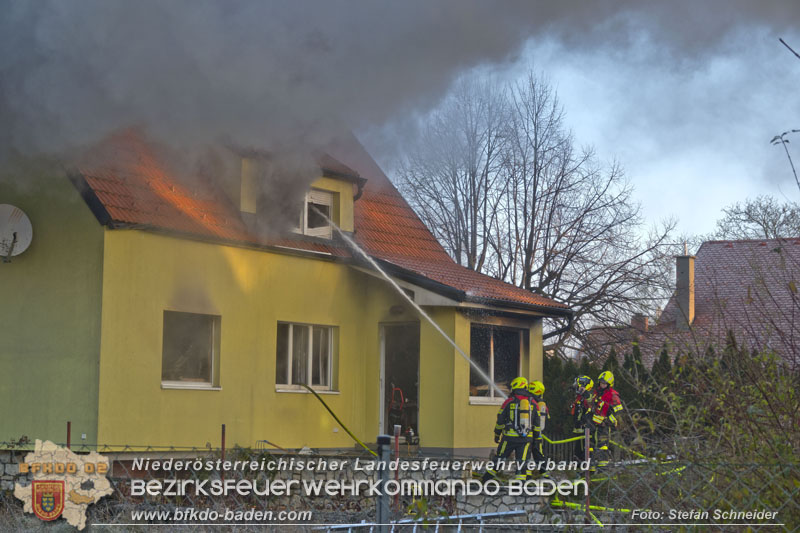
581	405
606	406
515	420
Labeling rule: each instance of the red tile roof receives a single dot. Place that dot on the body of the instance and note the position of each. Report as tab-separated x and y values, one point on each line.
389	229
130	181
127	184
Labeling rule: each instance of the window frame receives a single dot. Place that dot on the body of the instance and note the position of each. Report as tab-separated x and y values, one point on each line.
321	197
288	386
491	398
214	381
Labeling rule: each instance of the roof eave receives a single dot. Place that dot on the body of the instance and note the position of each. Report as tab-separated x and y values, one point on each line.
358	180
461	296
90	197
564	312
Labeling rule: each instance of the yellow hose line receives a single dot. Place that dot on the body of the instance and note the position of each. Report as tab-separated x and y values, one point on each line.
573	439
634	452
599	523
312	391
674	470
559	503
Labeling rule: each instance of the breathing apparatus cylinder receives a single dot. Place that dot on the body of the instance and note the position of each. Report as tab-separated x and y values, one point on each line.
525	415
542	414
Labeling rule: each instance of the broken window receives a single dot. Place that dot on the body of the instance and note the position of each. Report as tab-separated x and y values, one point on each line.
496	351
317	210
190	350
304	355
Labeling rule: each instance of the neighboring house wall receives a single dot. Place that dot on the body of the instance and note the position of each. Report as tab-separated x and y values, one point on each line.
50	316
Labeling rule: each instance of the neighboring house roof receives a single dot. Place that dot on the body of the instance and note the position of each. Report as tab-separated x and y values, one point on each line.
748	287
126	183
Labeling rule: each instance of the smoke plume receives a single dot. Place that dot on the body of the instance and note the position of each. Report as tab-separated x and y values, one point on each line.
256	72
260	74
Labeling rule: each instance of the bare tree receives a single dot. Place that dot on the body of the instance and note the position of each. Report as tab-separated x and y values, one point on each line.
548	217
782	138
451	176
759	218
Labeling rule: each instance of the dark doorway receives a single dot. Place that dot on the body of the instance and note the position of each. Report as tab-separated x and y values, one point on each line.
401	378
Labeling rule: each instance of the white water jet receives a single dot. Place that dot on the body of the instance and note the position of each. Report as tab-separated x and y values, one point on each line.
403	293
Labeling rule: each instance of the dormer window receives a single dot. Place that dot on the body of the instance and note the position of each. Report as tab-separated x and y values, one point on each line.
317	209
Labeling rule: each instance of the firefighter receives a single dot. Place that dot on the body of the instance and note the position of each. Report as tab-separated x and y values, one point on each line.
580	408
540	415
606	407
514	427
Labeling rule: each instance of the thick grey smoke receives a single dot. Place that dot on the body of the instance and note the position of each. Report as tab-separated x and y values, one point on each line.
256	71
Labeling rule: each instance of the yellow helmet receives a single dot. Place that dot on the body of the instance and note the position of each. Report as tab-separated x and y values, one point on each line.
519	383
607	377
536	388
583	381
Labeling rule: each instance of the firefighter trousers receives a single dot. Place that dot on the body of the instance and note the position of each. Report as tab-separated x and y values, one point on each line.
599	451
579	450
520	447
537	445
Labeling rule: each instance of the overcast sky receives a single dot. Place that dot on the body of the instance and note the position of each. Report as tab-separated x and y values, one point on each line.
693	134
685	95
690	120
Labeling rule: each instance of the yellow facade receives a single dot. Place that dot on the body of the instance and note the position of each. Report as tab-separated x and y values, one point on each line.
252	290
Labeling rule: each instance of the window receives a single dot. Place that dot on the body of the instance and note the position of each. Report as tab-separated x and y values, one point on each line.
496	351
190	350
312	222
304	356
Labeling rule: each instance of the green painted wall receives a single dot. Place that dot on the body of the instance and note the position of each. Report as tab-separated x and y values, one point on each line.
50	313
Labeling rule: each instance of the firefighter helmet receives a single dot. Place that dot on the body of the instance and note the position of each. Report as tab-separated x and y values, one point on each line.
519	383
606	377
536	388
585	382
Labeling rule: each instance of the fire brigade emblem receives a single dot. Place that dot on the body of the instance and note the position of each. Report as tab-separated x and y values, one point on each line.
62	483
48	499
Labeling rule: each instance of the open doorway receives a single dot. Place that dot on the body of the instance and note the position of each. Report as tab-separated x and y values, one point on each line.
400	383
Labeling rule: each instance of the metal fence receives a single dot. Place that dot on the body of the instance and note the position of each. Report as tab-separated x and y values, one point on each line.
636	492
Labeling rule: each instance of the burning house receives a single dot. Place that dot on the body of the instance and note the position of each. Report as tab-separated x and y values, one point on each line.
149	310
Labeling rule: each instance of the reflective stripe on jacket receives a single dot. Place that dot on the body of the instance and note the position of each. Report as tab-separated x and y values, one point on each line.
606	406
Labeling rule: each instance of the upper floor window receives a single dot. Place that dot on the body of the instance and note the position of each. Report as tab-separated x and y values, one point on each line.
317	210
304	356
496	351
190	350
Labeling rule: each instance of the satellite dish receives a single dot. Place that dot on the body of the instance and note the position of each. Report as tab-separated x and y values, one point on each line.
16	231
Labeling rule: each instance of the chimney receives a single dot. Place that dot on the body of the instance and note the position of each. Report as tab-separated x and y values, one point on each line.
248	192
684	291
640	322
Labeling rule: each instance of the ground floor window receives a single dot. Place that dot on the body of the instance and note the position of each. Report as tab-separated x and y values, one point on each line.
496	351
190	350
305	355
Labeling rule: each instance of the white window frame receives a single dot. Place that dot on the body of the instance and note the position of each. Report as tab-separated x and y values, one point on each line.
213	384
491	399
321	197
289	386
